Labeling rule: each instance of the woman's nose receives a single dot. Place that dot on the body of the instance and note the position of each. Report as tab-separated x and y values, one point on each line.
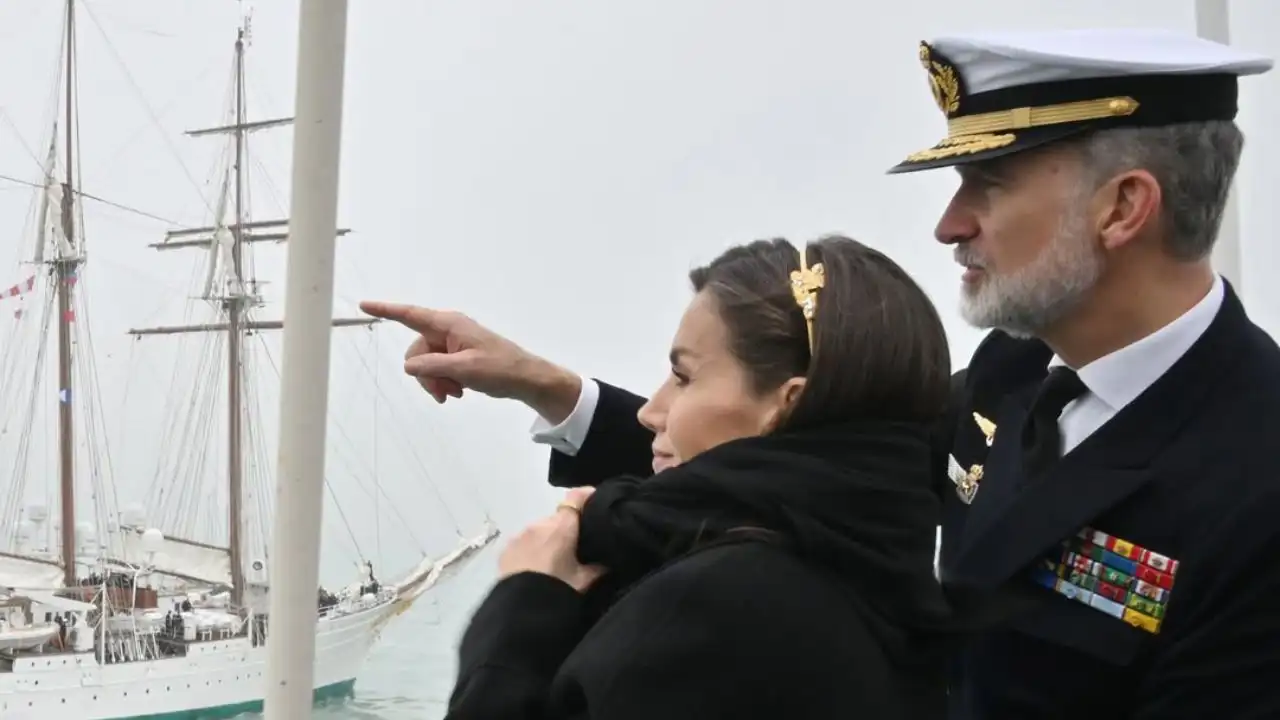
649	417
653	414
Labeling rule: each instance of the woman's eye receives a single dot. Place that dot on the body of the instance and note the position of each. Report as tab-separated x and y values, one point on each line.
681	378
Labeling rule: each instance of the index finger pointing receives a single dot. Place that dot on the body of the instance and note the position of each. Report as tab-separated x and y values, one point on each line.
413	317
385	310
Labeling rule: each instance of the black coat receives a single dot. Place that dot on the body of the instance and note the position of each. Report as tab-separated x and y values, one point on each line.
1185	471
781	577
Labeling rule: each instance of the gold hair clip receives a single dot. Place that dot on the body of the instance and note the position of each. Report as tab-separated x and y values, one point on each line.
805	284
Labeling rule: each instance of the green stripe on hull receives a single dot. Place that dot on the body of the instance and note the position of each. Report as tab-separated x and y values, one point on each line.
335	691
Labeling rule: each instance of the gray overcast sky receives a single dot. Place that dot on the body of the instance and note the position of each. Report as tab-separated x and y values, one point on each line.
553	168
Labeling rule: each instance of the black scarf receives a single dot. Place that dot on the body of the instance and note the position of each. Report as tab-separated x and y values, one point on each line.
855	498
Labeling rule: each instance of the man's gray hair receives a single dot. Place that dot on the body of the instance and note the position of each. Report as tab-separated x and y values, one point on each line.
1194	164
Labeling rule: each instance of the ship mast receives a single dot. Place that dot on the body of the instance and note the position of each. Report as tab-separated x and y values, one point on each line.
235	307
67	261
239	296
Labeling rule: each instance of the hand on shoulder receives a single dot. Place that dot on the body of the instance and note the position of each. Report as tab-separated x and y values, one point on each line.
550	546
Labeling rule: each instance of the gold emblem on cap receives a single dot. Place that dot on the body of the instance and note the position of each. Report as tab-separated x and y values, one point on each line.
944	80
987	427
983	132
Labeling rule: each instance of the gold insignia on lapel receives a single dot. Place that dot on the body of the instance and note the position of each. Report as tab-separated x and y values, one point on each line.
966	481
987	427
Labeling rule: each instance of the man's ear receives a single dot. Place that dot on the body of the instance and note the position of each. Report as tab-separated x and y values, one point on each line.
1126	206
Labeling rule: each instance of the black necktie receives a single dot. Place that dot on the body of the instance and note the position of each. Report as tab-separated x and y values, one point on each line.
1041	438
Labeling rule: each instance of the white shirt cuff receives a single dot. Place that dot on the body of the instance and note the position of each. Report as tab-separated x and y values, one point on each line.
568	436
937	555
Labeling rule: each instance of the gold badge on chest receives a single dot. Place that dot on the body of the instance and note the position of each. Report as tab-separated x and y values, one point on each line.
987	427
967	481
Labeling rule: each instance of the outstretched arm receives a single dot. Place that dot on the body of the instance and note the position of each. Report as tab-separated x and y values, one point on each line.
600	439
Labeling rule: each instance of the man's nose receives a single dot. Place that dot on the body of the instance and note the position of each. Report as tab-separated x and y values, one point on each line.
957	225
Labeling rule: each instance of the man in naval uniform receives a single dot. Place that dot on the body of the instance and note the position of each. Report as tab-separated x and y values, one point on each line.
1107	464
1109	447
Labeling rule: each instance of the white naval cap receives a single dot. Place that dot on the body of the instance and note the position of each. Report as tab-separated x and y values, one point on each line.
1003	92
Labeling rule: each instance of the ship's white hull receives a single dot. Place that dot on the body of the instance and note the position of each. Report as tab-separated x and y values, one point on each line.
219	678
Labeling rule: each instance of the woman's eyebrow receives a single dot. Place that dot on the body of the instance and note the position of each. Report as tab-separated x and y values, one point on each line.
678	353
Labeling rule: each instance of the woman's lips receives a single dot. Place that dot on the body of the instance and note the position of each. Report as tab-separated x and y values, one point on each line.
662	461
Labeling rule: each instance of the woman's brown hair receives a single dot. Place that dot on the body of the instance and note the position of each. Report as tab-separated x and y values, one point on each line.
879	348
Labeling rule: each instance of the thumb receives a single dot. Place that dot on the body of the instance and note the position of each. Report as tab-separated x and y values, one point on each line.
587	576
578	496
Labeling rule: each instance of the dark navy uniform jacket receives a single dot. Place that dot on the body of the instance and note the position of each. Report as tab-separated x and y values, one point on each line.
1145	565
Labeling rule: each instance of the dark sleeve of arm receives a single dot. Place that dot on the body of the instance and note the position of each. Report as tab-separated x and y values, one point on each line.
1223	658
616	444
512	648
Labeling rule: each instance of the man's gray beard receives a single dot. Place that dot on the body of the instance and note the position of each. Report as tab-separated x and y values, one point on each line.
1034	297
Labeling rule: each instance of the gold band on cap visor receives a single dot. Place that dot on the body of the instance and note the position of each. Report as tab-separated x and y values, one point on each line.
1030	117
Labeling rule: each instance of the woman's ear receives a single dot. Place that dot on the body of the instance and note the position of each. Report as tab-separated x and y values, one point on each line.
783	400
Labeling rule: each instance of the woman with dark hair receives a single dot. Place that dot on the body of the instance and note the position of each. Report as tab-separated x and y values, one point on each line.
779	561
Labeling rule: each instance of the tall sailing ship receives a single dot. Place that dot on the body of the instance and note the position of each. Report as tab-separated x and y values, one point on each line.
110	617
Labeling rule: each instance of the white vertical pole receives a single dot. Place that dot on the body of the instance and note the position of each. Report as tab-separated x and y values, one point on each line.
1213	22
308	312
